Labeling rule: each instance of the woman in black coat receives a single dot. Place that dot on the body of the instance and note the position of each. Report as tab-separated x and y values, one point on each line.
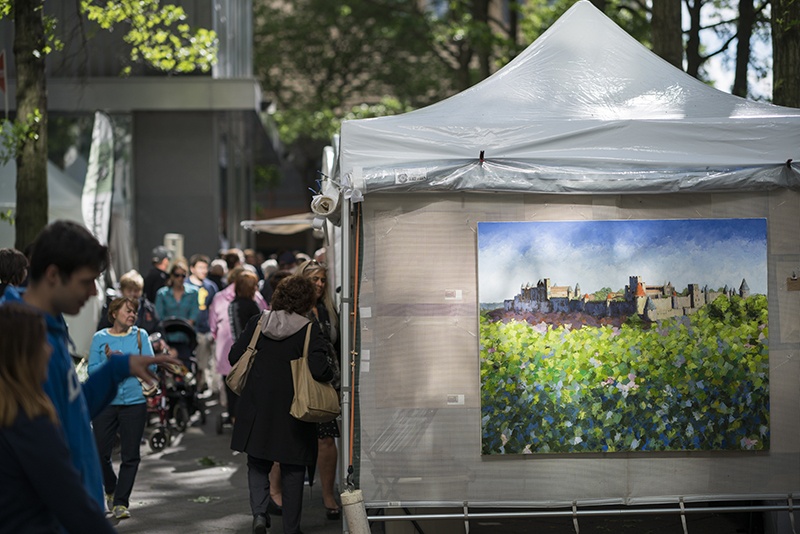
264	429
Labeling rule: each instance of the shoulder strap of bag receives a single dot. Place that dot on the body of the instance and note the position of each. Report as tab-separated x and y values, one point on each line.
139	339
308	338
253	340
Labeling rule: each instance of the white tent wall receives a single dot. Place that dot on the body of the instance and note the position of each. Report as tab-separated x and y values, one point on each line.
421	446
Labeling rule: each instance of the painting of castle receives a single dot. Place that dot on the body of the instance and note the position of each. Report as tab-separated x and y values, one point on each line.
650	302
659	341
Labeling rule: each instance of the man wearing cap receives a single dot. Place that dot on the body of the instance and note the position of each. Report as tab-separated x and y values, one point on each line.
157	276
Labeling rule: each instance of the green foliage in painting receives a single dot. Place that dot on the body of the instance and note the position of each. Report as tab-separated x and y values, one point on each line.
696	382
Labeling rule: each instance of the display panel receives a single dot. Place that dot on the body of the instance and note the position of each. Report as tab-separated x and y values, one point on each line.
646	335
418	389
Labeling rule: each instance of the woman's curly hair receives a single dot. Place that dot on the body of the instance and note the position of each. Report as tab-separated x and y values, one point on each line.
294	294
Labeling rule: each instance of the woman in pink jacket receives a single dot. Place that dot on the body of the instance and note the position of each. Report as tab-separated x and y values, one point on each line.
220	322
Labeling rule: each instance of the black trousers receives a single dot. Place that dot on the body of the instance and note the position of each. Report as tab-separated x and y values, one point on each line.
128	422
292	480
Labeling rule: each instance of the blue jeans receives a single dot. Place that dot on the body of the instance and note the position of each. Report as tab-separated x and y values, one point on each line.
128	422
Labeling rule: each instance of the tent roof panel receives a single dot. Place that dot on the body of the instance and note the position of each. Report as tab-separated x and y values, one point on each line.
584	94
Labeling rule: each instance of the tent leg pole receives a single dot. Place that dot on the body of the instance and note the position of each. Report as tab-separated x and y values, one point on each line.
344	357
683	517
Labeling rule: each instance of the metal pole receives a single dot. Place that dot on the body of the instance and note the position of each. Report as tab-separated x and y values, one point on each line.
345	331
570	513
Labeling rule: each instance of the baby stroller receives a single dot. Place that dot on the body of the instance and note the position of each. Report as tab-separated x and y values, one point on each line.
180	385
157	403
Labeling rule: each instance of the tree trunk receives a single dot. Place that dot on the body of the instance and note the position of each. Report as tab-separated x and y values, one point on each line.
667	31
513	25
480	14
463	55
743	34
693	58
786	53
32	202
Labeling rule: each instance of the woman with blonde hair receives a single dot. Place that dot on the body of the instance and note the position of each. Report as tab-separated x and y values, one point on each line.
41	490
324	314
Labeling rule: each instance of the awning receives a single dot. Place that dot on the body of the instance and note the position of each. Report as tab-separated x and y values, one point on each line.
287	225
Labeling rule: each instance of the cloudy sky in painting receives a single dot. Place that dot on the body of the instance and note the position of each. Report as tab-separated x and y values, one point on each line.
597	254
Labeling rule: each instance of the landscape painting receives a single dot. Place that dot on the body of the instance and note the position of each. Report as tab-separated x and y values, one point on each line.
619	336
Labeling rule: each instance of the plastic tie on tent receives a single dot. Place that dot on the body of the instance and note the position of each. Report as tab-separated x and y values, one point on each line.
349	191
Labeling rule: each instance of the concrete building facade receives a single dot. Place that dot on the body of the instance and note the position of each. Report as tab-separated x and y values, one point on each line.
189	145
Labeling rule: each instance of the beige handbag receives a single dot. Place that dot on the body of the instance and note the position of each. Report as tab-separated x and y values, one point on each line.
238	375
314	402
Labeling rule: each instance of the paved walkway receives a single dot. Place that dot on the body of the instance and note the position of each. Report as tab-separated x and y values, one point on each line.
198	484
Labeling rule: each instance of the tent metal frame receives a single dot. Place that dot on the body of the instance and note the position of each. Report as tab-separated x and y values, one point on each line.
466	515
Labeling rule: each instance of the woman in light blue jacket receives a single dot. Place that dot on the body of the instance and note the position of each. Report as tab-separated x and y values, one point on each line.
127	413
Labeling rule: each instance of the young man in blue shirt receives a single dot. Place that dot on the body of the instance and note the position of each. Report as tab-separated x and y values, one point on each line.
65	261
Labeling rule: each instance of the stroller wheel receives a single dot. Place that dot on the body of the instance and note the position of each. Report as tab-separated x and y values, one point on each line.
181	415
220	424
159	439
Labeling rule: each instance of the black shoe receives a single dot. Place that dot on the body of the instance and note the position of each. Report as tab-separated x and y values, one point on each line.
260	524
273	508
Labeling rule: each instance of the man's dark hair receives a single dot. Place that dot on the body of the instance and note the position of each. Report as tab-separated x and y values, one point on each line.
69	246
197	258
294	294
232	259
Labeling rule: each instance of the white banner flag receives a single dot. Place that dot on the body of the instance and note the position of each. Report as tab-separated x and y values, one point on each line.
99	185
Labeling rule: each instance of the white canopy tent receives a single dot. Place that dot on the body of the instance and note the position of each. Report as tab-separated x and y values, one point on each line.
64	197
585	110
64	202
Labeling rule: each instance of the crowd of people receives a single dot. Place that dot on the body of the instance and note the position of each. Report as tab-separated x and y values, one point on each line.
221	300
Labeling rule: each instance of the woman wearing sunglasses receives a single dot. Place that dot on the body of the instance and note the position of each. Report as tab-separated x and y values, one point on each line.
176	300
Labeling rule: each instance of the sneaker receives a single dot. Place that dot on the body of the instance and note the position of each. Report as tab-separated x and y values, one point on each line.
110	501
121	512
